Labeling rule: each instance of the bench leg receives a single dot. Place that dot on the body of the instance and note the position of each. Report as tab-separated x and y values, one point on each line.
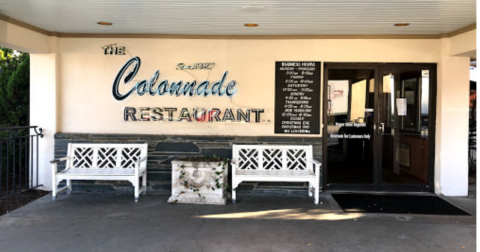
234	191
54	189
310	188
144	183
69	185
317	193
234	196
137	189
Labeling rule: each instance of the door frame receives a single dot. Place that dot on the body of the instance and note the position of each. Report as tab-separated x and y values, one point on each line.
377	141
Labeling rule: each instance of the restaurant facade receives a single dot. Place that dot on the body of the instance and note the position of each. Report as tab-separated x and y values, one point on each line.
382	112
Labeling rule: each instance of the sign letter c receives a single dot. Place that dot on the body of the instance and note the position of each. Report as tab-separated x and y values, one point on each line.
128	78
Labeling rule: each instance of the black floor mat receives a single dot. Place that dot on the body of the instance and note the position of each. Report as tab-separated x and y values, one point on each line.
399	204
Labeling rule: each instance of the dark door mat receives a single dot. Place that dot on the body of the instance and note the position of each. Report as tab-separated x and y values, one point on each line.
398	204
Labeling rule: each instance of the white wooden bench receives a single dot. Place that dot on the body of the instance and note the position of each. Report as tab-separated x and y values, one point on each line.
275	163
102	162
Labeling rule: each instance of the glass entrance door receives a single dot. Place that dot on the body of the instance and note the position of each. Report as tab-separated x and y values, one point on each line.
350	105
378	126
405	125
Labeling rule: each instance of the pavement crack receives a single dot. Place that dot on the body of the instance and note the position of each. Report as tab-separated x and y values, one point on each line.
426	245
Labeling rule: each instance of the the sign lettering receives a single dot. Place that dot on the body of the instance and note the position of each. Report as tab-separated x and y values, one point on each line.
193	115
164	87
196	66
117	50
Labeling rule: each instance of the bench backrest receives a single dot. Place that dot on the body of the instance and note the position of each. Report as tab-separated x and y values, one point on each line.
105	155
273	157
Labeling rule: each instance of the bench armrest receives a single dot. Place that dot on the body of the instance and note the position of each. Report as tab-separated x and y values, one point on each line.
318	172
142	159
58	160
137	165
317	166
317	163
54	167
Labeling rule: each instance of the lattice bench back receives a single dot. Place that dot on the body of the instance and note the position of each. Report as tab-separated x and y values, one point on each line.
105	155
273	157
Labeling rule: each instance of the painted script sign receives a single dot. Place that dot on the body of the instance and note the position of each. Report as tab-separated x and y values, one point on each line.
165	87
196	66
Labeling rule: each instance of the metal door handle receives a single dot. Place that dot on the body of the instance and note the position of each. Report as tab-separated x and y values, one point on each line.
382	127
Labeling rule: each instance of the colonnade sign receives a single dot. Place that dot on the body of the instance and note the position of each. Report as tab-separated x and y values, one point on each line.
297	97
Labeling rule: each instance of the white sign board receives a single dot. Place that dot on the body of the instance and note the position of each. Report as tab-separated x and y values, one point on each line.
338	97
402	106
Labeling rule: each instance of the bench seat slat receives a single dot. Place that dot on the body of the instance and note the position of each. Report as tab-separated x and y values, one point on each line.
275	173
98	171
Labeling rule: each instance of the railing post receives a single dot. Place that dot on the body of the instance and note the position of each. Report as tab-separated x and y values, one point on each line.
7	188
26	164
1	168
14	136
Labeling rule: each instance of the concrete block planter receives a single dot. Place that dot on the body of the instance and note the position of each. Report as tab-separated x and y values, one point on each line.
199	182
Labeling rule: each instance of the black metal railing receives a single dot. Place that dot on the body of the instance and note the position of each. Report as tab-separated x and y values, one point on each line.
18	160
472	149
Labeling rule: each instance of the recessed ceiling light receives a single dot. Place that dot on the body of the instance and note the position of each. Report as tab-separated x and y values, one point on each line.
401	24
253	9
104	23
250	25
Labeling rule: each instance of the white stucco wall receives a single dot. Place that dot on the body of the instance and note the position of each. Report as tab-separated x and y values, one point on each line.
86	103
451	140
43	106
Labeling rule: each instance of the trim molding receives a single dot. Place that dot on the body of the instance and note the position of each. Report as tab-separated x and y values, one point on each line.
459	31
236	37
25	25
246	37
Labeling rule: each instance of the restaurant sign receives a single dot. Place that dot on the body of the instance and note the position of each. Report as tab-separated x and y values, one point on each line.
178	88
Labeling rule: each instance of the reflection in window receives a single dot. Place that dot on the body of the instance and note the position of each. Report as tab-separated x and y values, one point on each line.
424	111
388	86
357	110
412	89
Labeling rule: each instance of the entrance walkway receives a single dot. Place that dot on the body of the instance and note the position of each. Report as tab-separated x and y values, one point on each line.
113	222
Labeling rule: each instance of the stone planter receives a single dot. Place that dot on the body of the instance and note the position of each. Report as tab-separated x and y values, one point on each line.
195	186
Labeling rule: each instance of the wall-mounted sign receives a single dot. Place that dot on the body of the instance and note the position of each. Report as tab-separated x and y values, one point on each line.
179	88
191	115
164	87
113	50
196	66
297	97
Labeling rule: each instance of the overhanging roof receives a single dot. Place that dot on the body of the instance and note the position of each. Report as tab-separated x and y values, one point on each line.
220	17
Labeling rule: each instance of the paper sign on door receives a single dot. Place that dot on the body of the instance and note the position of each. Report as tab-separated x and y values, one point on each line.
402	106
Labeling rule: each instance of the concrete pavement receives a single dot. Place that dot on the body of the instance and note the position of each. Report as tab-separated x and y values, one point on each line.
113	222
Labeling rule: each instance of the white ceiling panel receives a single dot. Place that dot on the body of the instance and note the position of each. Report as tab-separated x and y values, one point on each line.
227	17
